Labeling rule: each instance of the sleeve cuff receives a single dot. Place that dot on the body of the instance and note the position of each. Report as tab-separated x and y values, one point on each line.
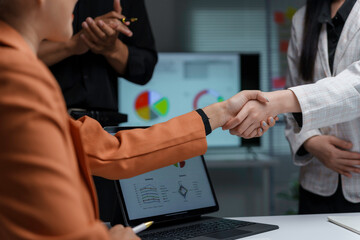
205	119
302	157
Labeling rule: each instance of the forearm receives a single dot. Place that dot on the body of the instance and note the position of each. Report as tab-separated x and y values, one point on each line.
162	144
118	58
53	52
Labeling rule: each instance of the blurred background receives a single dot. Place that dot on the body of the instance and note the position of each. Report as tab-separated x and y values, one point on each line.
209	50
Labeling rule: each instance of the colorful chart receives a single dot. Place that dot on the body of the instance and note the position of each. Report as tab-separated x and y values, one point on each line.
180	164
149	194
211	92
149	105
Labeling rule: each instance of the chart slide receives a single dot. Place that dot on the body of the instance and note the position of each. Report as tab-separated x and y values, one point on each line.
168	190
207	92
150	105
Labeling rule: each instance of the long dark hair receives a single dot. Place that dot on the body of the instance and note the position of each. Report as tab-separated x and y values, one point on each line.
310	40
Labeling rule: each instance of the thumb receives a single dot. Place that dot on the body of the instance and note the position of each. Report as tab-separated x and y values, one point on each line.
117	6
341	143
261	97
255	95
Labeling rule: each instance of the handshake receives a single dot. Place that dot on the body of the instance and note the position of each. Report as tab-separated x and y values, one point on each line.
247	114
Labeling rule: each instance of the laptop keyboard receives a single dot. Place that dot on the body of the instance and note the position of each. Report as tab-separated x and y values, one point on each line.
200	229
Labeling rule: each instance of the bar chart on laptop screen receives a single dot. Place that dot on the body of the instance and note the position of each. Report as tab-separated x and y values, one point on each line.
183	82
179	187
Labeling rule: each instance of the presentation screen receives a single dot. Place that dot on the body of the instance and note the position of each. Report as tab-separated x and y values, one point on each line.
183	82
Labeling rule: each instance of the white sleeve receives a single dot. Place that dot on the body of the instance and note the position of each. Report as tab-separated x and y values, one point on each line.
331	100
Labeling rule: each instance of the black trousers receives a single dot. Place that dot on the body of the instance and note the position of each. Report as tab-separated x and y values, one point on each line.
310	203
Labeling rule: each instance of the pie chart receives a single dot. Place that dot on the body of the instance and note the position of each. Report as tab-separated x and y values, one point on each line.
211	95
150	105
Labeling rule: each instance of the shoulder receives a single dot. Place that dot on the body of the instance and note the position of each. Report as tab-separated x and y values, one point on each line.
17	64
299	16
27	81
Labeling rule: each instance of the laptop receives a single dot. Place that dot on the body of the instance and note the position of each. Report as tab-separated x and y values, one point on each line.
176	198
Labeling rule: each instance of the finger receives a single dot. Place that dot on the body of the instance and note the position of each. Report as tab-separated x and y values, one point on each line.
105	28
346	174
111	15
99	34
262	98
345	169
247	125
90	44
349	155
240	129
271	121
120	27
264	126
351	163
349	169
276	118
119	226
256	133
251	129
117	6
340	143
88	32
252	135
232	123
236	120
260	132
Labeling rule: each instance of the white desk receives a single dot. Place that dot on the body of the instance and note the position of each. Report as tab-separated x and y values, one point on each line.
302	227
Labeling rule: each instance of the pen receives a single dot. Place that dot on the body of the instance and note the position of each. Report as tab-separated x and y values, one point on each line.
142	227
124	20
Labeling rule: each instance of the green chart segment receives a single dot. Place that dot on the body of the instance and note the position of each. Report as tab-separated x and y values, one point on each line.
150	105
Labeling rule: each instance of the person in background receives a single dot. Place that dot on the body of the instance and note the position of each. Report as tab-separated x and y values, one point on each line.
47	157
324	42
88	65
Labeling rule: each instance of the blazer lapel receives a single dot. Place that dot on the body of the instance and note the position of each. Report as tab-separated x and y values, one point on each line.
351	27
323	51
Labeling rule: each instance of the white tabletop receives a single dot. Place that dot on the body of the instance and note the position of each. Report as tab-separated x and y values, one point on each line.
302	227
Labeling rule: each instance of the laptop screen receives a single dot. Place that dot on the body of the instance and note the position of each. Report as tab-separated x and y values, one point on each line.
179	190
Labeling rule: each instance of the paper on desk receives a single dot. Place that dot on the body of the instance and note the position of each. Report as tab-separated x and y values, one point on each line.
351	223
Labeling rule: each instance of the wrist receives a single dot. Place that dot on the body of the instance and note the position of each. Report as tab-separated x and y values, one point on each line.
307	144
120	50
218	114
283	101
69	48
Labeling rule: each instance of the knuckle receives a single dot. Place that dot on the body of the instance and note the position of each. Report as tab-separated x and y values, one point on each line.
103	36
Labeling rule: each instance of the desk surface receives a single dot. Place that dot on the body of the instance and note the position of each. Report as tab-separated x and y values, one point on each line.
303	227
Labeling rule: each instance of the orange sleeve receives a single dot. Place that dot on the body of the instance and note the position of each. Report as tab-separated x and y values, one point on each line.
41	190
133	152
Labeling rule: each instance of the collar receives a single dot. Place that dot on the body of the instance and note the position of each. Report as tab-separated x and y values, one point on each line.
9	37
343	12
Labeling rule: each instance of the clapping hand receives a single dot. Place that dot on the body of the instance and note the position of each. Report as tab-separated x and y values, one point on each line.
101	34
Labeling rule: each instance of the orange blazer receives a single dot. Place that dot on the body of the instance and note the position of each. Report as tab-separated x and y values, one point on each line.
47	158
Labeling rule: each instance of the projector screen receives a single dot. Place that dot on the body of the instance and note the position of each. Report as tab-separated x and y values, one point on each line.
183	82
